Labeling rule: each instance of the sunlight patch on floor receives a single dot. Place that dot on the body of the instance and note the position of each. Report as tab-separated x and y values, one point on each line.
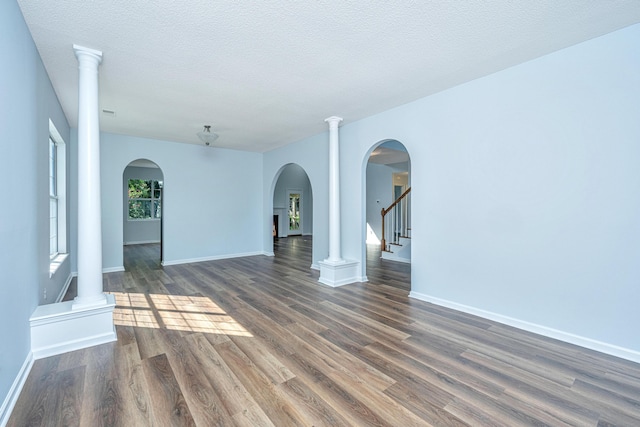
176	312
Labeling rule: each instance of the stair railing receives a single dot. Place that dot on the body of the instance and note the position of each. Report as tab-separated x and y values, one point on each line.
396	221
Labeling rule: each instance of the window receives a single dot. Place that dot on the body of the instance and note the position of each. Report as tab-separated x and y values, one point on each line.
57	198
53	198
144	199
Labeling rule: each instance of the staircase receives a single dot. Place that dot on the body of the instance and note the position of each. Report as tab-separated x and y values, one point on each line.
396	229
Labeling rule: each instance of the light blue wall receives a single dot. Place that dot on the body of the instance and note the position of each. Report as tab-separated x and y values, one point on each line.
312	156
139	231
293	177
212	198
526	191
27	103
379	194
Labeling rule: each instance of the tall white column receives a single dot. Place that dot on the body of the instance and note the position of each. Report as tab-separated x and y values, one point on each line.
87	320
89	210
336	271
334	190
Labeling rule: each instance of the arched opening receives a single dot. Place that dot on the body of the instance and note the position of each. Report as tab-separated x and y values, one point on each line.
292	222
143	187
387	210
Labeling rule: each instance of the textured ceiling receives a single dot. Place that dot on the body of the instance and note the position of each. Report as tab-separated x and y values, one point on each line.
267	73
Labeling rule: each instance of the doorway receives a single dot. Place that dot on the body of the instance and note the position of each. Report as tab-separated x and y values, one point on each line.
294	212
143	225
387	189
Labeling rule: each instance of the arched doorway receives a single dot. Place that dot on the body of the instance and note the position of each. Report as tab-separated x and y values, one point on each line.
292	223
143	187
387	177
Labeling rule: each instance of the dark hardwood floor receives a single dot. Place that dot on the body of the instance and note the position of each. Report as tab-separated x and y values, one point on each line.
257	341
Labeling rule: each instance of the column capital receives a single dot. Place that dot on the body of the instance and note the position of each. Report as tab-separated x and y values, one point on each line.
333	121
85	52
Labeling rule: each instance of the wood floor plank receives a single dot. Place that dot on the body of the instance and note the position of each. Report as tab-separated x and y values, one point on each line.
204	403
341	363
273	402
262	356
235	398
170	407
356	412
69	388
39	409
102	403
136	402
316	411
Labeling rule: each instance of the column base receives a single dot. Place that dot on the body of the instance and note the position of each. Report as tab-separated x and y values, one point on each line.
339	273
62	327
93	301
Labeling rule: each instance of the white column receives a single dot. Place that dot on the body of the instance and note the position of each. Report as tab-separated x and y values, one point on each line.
89	211
334	190
336	271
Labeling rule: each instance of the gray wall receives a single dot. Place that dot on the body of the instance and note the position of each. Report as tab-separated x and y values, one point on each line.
27	103
526	192
293	177
139	231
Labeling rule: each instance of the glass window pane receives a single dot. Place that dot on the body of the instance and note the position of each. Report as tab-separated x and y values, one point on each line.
156	209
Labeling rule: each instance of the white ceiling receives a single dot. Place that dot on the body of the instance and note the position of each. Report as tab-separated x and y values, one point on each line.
389	156
267	73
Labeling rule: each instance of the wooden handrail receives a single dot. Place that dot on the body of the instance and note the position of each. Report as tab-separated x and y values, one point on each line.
402	196
384	212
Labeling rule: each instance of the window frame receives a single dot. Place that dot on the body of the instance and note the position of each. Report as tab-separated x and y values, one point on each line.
58	193
54	226
156	185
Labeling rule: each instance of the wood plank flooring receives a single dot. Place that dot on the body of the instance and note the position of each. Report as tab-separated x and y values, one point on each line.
257	341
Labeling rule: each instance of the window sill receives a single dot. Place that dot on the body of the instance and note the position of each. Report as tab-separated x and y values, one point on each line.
55	263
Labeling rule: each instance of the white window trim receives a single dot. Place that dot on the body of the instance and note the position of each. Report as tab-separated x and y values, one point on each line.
151	199
61	196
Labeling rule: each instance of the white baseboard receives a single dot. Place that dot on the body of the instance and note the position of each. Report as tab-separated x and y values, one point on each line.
315	266
113	269
568	337
141	242
266	253
212	258
76	344
14	392
395	259
65	288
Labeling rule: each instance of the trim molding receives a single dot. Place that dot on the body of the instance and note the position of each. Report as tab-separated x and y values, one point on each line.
340	273
113	269
212	258
59	328
65	288
141	242
14	392
602	347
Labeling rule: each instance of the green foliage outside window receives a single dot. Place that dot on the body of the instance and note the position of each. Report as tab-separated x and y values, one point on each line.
144	199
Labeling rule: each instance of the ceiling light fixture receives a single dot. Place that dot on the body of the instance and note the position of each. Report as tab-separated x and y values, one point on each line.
207	136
